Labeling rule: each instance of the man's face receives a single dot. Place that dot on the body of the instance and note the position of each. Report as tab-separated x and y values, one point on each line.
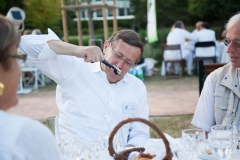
199	26
233	50
128	55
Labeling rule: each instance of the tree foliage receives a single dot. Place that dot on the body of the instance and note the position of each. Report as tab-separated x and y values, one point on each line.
167	12
189	11
214	10
5	5
43	14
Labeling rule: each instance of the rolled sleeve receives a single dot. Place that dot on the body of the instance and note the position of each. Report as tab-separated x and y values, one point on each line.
57	67
46	52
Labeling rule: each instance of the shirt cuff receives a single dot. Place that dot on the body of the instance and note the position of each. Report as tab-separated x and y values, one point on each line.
46	52
138	141
201	125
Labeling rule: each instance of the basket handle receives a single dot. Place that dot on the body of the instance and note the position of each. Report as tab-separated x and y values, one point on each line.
169	154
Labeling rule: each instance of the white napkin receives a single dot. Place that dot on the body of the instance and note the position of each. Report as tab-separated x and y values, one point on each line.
157	147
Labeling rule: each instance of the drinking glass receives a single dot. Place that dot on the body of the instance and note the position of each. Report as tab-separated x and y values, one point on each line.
192	139
224	139
71	147
103	137
94	149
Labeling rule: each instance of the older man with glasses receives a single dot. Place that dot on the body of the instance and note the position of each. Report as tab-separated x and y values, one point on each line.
219	102
92	97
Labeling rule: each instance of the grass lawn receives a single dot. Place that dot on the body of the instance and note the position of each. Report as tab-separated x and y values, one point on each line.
171	125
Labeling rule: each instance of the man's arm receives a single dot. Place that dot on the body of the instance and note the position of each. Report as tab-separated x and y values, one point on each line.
204	115
88	53
139	132
50	55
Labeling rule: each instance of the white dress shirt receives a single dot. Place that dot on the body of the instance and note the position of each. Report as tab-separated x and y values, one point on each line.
24	139
87	102
204	115
203	36
180	36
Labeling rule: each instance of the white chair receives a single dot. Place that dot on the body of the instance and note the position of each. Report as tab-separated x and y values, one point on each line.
33	81
36	80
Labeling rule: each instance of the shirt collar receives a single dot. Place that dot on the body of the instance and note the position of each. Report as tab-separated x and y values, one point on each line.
97	68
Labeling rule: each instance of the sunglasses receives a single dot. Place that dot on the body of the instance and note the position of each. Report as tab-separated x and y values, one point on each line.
20	57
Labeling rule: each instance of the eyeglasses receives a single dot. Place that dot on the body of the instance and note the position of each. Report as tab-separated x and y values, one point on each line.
227	41
20	57
119	56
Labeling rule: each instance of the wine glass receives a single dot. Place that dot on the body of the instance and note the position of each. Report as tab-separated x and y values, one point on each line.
224	139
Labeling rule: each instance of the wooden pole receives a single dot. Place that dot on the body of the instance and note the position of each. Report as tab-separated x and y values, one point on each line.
90	22
105	23
79	25
115	25
64	21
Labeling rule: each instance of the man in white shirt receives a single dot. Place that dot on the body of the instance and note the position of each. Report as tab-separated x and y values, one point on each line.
180	36
219	100
90	96
204	35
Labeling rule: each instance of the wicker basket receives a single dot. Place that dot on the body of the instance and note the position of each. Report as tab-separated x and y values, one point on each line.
124	154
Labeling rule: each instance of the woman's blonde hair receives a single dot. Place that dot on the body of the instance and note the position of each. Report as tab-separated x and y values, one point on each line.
8	36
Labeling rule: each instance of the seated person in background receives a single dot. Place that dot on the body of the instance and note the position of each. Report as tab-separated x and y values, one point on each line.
90	96
20	137
27	31
36	32
179	35
219	100
204	35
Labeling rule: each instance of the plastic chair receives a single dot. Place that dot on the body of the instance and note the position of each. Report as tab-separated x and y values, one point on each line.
173	57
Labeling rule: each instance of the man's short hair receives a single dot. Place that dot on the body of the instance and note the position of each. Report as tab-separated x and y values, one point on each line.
128	36
233	21
178	24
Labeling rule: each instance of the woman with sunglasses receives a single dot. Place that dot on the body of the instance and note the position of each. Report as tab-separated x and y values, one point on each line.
20	138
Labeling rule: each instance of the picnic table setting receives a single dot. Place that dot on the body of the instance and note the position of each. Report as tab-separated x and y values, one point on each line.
220	144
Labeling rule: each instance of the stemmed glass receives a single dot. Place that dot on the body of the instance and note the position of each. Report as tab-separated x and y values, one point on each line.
224	139
71	147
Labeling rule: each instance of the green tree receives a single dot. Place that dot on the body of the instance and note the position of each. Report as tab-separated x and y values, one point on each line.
5	5
167	12
214	10
43	14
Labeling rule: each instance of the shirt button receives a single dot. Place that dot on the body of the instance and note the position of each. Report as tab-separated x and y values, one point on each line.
235	85
225	77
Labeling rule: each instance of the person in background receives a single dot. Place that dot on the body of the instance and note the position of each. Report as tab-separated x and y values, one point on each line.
204	35
179	35
219	99
20	137
90	97
27	31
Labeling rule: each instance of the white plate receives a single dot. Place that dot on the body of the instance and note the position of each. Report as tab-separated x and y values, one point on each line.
207	157
212	157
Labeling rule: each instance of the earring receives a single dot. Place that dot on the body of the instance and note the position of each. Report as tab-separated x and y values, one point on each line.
1	88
